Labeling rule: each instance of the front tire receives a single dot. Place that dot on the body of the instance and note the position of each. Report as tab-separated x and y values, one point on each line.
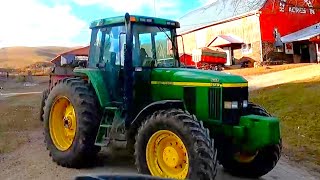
71	119
173	144
253	165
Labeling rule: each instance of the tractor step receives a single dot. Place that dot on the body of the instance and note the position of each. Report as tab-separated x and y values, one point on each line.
101	144
111	108
105	126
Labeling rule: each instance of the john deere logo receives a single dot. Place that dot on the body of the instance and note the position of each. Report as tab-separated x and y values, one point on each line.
215	80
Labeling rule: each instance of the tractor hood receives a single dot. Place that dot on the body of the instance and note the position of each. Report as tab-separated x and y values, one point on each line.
194	75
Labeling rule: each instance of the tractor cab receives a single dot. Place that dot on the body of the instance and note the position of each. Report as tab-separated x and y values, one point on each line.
142	41
126	49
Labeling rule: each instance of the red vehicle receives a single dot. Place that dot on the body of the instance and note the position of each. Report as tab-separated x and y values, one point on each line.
205	58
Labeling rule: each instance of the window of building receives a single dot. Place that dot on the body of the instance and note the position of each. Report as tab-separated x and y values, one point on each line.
279	49
246	48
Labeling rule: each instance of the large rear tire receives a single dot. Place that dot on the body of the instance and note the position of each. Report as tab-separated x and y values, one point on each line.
71	121
173	144
251	165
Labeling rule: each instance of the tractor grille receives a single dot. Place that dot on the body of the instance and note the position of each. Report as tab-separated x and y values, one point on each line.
232	116
214	103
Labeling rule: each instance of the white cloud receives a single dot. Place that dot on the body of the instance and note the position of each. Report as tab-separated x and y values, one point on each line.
30	23
143	7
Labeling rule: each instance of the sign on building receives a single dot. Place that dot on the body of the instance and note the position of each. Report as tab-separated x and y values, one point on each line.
297	7
288	48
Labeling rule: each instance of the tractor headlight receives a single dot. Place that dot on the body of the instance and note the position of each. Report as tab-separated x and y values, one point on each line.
231	105
245	104
234	105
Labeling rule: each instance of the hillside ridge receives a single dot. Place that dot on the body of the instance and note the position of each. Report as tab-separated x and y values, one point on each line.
20	56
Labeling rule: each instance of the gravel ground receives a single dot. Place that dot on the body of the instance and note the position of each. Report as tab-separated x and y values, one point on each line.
31	161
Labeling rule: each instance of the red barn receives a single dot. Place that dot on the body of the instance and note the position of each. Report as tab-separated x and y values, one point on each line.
255	30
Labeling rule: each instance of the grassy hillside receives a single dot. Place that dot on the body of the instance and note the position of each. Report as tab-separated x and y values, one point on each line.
19	57
298	107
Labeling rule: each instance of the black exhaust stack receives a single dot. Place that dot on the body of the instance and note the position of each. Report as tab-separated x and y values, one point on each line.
128	73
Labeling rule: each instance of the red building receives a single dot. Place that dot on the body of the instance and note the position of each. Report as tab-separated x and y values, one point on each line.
70	56
257	30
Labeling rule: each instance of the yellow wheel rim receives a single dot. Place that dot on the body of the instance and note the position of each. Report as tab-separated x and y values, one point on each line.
167	155
62	123
245	157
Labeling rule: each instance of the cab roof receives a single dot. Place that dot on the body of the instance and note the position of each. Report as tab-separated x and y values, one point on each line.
135	19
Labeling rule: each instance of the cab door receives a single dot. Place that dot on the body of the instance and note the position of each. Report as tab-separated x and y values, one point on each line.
111	61
142	63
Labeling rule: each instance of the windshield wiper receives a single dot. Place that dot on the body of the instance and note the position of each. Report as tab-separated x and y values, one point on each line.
173	45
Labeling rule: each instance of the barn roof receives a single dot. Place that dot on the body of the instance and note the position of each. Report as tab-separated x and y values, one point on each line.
217	11
223	40
84	51
310	32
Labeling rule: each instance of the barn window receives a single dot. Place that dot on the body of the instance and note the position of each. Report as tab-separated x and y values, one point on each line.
246	48
279	49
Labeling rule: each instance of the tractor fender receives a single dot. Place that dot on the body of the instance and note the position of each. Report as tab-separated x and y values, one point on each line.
153	107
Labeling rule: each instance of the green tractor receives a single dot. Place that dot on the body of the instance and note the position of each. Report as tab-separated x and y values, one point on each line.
178	122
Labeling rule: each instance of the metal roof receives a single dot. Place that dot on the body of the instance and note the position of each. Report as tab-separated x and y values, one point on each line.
83	51
217	11
222	40
303	34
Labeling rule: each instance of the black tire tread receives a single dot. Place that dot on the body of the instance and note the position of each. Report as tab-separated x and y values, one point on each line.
204	165
88	113
42	103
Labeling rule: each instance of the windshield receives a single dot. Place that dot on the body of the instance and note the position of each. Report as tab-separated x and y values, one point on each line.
154	45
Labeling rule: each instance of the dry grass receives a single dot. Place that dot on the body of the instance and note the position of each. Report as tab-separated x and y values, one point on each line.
19	115
19	57
263	70
298	107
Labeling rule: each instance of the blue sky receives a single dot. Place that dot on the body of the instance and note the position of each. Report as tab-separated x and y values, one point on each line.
65	22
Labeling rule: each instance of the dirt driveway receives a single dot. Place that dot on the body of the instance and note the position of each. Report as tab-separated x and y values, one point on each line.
31	161
281	77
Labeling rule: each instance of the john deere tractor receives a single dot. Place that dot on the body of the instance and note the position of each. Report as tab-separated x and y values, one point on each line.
177	121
